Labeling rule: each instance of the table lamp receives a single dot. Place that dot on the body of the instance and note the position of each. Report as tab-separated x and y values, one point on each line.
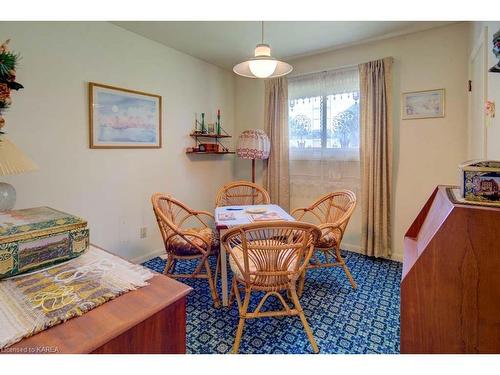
12	161
253	144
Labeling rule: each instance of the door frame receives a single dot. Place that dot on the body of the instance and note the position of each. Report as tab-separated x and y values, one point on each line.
481	41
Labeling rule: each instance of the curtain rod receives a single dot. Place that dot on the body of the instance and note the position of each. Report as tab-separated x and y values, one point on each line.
343	67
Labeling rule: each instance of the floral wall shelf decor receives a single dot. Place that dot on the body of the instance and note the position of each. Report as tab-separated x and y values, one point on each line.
8	63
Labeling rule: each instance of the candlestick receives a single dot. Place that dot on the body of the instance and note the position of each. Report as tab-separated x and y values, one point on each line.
218	122
203	123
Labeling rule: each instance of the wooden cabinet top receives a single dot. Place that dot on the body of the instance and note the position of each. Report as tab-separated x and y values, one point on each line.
95	328
432	216
450	288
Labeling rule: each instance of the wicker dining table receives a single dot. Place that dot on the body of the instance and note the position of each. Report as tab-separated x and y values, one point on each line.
228	217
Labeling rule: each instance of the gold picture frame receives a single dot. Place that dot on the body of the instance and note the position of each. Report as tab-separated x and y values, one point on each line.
122	118
423	104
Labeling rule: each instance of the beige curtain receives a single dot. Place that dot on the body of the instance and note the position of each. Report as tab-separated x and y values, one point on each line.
276	174
376	156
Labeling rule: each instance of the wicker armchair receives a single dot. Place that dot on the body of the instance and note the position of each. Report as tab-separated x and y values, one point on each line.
331	213
187	234
269	257
241	193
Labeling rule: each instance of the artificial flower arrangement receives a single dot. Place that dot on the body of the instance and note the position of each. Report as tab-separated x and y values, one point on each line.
8	63
489	109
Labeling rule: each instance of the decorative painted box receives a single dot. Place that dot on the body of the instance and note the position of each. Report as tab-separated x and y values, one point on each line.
39	237
480	181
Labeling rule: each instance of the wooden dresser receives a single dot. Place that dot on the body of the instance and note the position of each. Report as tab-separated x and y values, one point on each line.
151	319
450	288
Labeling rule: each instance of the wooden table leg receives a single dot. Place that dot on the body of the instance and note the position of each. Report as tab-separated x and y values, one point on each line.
223	271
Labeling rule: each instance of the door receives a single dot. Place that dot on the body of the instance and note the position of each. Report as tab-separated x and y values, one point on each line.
478	74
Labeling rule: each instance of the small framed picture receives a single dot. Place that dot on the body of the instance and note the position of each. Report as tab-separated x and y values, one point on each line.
123	118
422	104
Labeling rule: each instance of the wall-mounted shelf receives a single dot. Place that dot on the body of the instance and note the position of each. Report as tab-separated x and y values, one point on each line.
209	143
210	152
216	136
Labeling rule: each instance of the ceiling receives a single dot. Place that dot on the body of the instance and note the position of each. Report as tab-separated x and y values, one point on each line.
226	43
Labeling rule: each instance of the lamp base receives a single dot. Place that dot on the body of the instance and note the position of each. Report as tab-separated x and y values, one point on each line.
7	196
253	171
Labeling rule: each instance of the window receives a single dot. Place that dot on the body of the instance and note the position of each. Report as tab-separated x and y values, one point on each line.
324	136
324	115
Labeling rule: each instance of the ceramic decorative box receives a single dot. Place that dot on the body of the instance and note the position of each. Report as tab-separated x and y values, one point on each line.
38	237
480	181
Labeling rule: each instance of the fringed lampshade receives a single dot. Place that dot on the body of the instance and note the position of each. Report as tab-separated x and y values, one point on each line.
12	161
253	144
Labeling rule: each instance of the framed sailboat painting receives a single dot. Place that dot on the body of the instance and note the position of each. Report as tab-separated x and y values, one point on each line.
123	118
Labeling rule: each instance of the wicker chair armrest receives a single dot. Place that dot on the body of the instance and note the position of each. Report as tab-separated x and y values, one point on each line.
206	218
307	256
335	224
295	213
225	241
201	216
204	213
327	228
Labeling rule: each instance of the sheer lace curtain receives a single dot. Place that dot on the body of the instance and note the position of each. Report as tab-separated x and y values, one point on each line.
323	134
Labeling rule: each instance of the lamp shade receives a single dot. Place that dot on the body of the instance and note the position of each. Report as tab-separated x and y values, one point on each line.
263	65
253	144
13	160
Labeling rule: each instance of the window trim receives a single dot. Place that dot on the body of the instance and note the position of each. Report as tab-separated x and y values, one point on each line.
323	109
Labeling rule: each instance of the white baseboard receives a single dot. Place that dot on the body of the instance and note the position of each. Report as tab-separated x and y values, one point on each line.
351	247
345	246
145	257
357	249
397	257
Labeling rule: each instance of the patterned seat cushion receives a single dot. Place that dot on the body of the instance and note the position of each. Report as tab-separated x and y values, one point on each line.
179	246
238	254
328	238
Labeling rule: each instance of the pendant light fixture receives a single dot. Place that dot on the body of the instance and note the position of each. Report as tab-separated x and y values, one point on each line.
262	65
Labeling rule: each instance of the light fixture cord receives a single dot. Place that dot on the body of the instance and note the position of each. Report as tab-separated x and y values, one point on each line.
262	34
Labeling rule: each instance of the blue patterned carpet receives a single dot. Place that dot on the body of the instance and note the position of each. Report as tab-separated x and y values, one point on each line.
343	320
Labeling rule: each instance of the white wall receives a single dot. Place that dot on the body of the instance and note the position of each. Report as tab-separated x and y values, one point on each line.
110	188
249	112
426	152
493	81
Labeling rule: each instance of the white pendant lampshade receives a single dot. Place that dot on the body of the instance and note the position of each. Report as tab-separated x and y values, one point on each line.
253	144
12	161
262	65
